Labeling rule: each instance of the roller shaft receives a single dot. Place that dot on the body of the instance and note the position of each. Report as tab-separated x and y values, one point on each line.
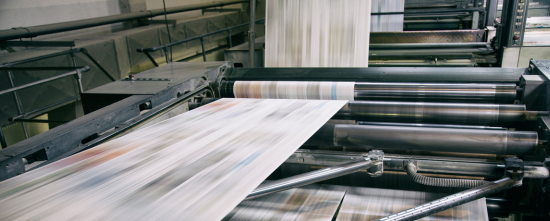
463	93
440	113
500	142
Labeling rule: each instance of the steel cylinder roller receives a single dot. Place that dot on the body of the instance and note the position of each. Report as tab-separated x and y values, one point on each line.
462	93
441	113
500	142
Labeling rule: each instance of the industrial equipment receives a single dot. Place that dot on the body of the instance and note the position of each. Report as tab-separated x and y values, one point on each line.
454	131
449	115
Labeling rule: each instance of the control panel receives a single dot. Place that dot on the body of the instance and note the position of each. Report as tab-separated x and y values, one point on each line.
517	17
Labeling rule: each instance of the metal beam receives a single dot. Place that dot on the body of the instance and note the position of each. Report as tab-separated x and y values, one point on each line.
251	33
37	44
309	178
86	68
33	31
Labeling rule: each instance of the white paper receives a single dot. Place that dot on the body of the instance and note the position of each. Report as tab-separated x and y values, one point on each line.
312	90
317	33
196	166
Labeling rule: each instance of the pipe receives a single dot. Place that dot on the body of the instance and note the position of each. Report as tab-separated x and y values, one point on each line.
429	125
33	31
309	178
86	68
439	113
466	93
452	200
501	142
441	182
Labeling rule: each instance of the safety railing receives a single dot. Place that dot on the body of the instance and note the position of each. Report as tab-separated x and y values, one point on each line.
166	47
33	31
8	67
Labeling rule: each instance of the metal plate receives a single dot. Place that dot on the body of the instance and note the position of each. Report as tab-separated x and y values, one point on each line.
427	36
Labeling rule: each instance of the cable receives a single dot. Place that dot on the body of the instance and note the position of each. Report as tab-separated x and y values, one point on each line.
167	29
442	182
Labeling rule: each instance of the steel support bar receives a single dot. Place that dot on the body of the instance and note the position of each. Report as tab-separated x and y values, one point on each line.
251	33
10	64
452	200
2	139
33	31
86	68
38	68
203	50
309	178
39	121
50	106
37	44
17	103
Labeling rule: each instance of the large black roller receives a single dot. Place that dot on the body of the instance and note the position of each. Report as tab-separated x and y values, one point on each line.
500	142
439	113
380	74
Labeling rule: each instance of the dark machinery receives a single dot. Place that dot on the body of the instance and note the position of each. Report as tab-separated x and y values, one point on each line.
440	128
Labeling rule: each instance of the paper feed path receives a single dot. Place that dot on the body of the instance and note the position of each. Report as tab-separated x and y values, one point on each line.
196	166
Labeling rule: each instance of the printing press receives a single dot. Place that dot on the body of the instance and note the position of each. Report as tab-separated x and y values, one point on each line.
428	129
445	124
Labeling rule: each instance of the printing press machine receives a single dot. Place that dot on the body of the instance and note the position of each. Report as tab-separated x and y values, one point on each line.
429	129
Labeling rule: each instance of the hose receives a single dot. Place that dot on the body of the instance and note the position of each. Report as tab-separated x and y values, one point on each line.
441	182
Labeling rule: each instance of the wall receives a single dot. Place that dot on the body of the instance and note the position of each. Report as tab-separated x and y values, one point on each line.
21	13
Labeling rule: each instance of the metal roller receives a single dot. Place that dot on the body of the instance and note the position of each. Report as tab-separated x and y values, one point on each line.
439	113
500	142
379	74
430	125
463	93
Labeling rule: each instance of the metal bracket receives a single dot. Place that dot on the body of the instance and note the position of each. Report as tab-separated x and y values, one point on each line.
377	158
514	168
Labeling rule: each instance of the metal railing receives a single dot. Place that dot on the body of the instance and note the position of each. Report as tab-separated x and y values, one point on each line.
8	67
165	47
33	31
77	72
